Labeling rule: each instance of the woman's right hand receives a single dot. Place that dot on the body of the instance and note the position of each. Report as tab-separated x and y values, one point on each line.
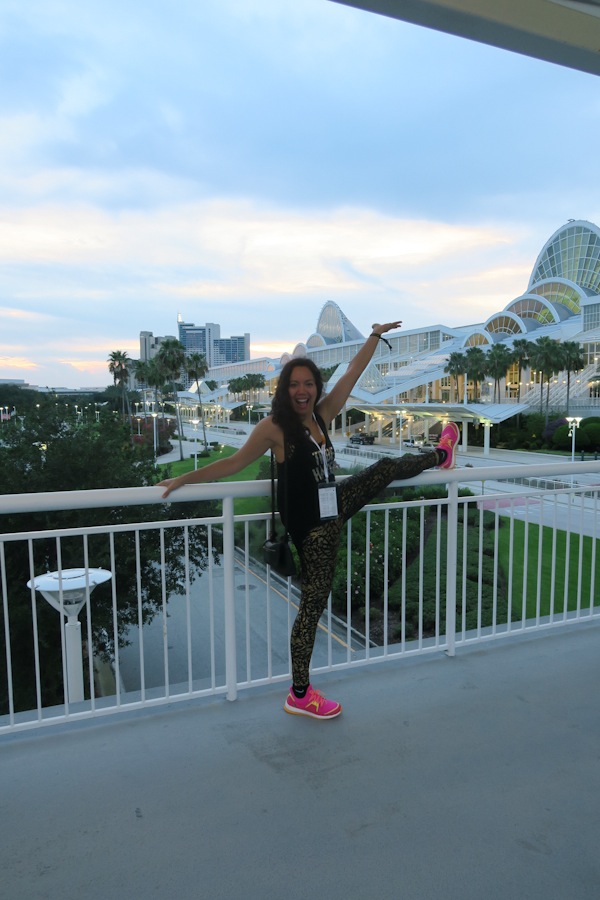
171	484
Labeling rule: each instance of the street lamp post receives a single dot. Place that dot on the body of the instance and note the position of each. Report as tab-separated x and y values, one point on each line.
195	423
154	415
573	426
400	421
67	591
249	407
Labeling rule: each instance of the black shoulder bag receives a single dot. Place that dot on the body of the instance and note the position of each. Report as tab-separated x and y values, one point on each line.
277	551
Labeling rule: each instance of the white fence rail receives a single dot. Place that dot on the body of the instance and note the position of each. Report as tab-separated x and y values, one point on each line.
188	608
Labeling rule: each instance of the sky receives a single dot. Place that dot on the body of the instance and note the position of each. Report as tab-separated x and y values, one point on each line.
245	161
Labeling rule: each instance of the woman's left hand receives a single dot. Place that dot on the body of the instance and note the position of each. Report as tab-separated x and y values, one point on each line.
389	326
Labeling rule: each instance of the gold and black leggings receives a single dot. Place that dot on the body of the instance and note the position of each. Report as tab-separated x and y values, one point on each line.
318	550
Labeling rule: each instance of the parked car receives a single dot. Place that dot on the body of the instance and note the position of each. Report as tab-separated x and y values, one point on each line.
361	438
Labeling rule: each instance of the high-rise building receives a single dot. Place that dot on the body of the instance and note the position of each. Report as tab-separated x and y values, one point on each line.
198	338
231	350
150	344
206	339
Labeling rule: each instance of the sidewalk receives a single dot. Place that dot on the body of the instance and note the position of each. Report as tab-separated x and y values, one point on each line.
237	433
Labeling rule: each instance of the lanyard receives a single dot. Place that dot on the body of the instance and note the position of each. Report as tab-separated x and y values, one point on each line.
322	448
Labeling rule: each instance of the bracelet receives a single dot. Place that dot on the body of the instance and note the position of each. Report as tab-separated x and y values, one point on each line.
380	337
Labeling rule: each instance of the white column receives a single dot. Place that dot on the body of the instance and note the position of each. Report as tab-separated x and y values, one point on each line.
74	660
486	438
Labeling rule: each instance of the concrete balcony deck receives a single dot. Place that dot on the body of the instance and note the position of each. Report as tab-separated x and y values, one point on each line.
465	778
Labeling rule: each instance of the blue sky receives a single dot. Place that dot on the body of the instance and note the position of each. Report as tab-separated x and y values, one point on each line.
245	161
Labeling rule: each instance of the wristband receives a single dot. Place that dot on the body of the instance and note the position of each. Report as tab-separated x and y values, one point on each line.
380	337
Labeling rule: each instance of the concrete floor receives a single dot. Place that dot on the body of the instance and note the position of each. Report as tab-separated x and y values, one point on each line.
466	778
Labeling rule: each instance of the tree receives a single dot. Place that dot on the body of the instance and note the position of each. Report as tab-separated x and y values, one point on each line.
573	360
171	359
149	372
498	360
455	367
245	384
196	368
236	386
255	382
475	367
119	367
54	451
545	356
520	355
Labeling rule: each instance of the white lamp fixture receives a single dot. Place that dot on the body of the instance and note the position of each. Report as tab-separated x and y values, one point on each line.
67	591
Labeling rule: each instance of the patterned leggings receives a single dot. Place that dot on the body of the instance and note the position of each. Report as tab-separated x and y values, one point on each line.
318	550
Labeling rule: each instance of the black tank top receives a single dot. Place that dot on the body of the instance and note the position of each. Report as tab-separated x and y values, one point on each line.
304	469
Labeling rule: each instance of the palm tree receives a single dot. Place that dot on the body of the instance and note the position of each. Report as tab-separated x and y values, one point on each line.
170	359
236	386
455	367
521	351
498	360
118	366
148	372
546	357
142	372
196	368
573	360
475	367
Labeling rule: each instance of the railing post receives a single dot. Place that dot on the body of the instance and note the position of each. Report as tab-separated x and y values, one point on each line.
229	599
451	551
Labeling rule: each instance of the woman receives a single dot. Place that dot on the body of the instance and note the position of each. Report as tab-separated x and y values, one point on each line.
314	509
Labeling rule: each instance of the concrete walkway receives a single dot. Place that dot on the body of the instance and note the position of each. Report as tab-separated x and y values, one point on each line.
473	778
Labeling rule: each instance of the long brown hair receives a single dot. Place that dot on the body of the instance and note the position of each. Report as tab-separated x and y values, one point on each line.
281	407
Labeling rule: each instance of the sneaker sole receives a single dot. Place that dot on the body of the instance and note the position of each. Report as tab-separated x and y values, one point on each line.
303	712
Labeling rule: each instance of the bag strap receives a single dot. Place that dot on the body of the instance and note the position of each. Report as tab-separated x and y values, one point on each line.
272	535
285	494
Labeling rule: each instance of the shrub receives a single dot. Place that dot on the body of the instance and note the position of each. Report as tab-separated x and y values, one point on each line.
592	430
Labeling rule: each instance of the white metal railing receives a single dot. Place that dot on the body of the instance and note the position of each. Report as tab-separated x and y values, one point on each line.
188	609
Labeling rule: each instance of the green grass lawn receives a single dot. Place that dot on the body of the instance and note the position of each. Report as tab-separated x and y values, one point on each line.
540	570
244	506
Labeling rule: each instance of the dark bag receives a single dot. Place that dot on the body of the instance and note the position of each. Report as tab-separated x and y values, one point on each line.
277	551
278	555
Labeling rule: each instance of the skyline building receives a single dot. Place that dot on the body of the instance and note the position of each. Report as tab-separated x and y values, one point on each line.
204	339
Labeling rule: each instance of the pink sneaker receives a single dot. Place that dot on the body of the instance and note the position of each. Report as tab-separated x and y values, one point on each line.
313	704
449	439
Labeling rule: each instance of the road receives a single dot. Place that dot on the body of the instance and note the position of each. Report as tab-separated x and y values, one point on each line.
264	616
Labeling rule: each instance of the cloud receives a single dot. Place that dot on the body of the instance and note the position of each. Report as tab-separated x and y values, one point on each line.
228	245
92	367
17	362
27	314
272	349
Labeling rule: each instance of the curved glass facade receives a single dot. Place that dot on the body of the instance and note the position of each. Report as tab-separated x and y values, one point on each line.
335	327
504	323
561	301
561	293
536	308
477	339
573	252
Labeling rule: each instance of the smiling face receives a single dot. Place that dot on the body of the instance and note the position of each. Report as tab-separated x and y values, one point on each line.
303	392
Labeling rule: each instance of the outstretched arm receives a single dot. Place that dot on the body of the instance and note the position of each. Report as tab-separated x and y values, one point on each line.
332	402
263	437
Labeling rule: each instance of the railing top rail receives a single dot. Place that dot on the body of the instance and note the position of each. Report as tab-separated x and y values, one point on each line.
138	496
